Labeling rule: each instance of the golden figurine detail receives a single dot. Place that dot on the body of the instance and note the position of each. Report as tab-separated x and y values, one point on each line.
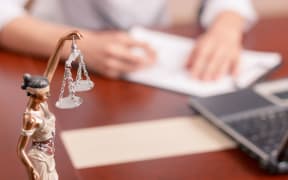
38	127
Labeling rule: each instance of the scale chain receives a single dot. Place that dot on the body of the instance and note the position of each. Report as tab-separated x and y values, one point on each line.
83	65
63	84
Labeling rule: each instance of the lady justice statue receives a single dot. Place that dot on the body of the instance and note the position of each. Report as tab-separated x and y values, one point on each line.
38	122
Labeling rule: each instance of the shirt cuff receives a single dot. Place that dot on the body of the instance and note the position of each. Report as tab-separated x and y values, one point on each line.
8	12
214	7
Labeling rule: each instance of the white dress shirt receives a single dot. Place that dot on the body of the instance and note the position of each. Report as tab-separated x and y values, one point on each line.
214	7
119	14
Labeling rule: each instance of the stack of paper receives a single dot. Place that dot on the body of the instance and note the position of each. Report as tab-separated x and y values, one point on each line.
169	70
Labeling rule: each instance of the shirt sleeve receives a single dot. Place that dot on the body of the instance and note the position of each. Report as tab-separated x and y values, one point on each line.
9	10
214	7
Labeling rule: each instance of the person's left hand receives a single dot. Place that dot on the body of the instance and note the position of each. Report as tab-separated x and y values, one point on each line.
216	52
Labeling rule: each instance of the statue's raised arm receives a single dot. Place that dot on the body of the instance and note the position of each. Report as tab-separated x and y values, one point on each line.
55	57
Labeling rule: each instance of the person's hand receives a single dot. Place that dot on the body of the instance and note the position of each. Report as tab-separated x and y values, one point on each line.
216	52
112	53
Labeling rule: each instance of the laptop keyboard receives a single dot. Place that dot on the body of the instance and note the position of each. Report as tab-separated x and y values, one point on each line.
265	129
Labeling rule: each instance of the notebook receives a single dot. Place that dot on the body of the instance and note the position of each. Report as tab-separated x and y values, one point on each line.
256	118
169	70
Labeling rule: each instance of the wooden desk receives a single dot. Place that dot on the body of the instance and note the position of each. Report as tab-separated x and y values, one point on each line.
114	102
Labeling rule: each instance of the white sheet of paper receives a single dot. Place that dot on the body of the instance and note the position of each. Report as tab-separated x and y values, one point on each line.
169	70
139	141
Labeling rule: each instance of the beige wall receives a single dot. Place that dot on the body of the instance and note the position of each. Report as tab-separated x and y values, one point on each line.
184	11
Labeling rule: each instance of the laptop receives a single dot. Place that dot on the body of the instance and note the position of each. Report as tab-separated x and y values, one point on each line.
256	118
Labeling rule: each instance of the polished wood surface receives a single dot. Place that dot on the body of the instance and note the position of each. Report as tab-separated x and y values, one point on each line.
118	101
268	35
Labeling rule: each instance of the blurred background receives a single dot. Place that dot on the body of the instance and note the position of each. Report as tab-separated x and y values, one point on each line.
181	14
265	8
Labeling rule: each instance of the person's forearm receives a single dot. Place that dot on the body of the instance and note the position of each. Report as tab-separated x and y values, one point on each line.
229	20
32	36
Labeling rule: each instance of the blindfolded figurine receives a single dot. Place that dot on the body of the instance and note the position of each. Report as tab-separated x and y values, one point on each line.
38	128
38	122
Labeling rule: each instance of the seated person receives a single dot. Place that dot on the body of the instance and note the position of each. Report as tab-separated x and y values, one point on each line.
106	45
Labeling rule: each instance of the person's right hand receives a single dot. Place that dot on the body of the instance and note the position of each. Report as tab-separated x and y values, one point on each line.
111	54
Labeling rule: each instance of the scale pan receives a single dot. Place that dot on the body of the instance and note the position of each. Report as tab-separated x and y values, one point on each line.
69	102
83	85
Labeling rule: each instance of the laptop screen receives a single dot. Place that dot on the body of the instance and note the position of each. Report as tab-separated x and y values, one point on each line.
232	103
282	95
